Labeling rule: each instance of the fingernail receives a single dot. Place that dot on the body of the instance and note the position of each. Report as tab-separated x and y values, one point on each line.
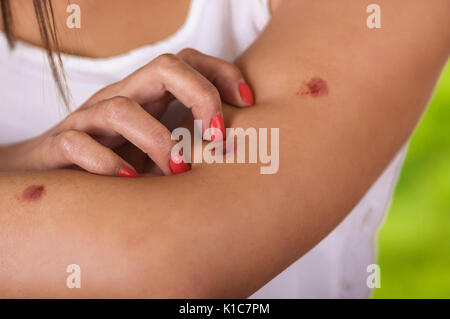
178	165
217	123
127	172
246	93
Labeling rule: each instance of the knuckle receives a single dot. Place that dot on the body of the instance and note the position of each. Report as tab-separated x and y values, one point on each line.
115	108
166	60
209	96
68	141
71	120
187	51
230	70
161	137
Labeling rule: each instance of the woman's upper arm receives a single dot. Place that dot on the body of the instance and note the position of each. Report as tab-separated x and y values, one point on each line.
225	229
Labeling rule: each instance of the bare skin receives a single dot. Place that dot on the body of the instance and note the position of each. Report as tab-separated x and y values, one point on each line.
145	22
215	231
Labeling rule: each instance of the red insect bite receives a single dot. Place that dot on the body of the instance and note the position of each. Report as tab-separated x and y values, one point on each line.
316	87
33	193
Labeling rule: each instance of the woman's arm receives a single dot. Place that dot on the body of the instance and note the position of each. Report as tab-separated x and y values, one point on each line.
224	230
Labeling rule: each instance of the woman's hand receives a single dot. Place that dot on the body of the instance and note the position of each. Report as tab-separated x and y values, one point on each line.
129	110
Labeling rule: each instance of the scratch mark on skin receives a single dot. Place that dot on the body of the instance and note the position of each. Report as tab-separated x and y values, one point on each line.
33	193
316	87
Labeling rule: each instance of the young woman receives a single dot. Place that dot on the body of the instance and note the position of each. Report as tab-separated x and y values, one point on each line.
344	97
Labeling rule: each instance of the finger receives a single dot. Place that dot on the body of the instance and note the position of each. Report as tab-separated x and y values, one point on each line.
169	74
224	75
121	115
78	148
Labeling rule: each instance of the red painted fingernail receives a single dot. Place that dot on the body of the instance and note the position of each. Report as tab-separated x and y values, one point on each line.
217	123
178	165
246	93
127	172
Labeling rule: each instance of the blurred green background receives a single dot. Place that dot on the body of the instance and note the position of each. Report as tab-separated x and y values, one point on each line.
414	242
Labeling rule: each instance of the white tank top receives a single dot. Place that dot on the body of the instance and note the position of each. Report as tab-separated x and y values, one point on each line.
29	105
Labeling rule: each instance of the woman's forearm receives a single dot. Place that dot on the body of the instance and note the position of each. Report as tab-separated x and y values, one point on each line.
225	229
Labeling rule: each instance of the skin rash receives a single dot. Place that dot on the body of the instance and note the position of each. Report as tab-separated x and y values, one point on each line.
33	193
316	87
